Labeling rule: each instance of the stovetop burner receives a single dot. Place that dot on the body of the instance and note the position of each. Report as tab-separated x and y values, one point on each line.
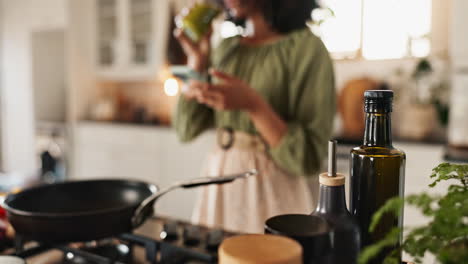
158	241
114	251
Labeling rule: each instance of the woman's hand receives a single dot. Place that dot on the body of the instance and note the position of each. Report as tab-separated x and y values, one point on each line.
198	53
193	88
230	93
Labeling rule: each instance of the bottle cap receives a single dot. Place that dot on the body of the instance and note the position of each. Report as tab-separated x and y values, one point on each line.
337	180
378	101
382	94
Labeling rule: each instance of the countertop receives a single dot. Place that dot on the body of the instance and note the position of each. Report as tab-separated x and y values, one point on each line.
340	139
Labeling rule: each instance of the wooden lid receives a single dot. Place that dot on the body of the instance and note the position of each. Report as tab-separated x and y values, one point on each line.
338	180
260	249
11	260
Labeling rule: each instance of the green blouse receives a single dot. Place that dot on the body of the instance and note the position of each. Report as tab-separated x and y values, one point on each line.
295	75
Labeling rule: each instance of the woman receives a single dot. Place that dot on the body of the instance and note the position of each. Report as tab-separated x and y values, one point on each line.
273	102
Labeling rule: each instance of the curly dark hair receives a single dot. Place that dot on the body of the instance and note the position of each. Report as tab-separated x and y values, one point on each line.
284	15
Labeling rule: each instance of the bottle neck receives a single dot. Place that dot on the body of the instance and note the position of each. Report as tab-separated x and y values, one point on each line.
378	131
332	200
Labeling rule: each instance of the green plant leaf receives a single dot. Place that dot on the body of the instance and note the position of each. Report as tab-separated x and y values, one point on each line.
446	234
423	201
447	171
393	206
370	252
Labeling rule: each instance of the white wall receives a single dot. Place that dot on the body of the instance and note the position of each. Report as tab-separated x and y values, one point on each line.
345	70
20	19
1	74
48	75
81	79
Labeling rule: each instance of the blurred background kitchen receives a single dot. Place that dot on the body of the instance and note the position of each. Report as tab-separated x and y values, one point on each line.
86	90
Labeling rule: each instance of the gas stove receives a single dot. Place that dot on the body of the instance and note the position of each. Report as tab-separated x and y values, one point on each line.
158	241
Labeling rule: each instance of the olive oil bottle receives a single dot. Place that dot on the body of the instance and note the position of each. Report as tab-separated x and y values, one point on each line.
377	168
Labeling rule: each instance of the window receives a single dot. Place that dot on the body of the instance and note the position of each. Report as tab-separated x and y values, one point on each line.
375	29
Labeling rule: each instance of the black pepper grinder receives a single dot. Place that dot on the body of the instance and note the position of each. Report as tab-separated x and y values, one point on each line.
332	207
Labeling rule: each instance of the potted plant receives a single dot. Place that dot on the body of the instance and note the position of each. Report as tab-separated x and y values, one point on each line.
446	235
422	99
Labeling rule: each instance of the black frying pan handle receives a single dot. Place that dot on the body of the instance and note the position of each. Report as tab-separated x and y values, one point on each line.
207	180
145	209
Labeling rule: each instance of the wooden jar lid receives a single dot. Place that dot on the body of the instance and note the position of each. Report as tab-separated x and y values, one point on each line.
338	180
260	249
11	260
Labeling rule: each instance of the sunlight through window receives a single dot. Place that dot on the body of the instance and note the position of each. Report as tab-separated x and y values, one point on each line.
376	29
341	30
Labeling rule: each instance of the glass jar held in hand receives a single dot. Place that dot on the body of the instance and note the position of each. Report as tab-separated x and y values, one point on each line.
194	32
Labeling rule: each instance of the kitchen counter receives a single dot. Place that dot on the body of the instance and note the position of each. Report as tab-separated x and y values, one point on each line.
396	140
154	154
340	139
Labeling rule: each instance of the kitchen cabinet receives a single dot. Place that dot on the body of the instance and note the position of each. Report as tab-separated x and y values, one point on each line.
458	124
458	127
130	38
459	35
150	154
125	152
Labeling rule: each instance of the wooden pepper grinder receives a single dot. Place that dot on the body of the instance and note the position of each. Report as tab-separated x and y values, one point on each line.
332	207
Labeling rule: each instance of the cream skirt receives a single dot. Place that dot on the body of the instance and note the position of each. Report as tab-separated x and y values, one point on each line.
245	204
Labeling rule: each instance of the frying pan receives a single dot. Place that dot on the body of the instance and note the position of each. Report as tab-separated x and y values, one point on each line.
91	209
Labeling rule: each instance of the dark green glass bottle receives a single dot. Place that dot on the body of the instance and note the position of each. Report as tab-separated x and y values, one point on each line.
377	169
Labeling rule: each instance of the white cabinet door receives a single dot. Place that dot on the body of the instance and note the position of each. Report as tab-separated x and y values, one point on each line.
106	151
107	34
458	127
459	35
131	38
